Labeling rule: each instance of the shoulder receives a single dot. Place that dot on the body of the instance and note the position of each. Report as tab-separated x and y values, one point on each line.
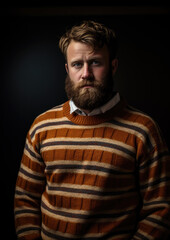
46	119
134	115
145	127
50	114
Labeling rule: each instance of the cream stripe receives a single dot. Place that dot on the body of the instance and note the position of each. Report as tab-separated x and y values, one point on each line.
85	163
158	202
59	217
26	193
80	211
74	219
67	235
33	159
74	126
151	165
157	199
31	180
92	139
159	218
27	169
156	154
79	127
148	236
156	205
58	108
56	120
135	111
87	235
87	187
74	147
89	196
25	208
28	232
90	147
94	172
146	116
152	188
156	178
141	126
30	147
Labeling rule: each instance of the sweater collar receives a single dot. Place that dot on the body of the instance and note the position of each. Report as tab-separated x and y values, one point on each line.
96	119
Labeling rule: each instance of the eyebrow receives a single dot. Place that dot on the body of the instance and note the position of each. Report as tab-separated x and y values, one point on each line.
88	60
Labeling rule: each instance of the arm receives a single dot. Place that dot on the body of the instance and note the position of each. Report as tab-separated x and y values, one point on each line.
154	185
29	187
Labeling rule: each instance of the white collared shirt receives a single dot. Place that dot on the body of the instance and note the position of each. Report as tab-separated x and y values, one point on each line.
104	108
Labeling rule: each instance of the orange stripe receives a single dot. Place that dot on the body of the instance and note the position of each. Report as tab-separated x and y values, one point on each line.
28	186
91	180
104	132
95	155
80	229
78	203
32	165
22	220
51	114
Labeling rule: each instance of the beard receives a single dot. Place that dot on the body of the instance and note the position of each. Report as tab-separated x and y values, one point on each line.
90	98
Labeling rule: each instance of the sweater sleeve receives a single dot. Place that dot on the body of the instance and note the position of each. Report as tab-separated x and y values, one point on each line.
154	186
29	188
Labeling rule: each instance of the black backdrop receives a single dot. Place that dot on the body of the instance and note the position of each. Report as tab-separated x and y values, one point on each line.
32	74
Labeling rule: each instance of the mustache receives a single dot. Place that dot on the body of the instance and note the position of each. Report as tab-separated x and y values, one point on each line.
88	83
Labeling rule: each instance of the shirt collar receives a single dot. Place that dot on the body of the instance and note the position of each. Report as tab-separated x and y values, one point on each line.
104	108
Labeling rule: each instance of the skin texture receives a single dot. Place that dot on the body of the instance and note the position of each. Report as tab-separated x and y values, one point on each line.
90	72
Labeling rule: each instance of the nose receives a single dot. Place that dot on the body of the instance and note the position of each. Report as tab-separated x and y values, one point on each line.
87	72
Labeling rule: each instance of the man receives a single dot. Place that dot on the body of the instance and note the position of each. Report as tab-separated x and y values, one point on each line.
94	167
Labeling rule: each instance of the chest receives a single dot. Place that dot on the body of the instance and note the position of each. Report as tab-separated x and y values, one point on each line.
101	157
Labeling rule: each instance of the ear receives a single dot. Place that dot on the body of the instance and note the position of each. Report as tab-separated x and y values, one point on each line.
114	66
66	67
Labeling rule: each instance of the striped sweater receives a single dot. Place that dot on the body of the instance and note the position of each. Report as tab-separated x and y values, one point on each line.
93	177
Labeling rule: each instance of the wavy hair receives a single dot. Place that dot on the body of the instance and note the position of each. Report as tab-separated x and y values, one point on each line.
91	33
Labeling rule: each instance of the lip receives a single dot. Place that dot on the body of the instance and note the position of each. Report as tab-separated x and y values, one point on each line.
88	86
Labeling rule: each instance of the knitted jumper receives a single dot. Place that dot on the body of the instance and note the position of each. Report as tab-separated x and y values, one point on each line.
93	177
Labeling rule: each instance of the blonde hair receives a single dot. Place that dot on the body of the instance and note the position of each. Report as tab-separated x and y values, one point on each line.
91	33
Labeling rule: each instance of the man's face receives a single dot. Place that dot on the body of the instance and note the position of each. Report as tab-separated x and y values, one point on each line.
90	75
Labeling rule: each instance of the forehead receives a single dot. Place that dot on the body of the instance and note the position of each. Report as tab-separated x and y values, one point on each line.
82	50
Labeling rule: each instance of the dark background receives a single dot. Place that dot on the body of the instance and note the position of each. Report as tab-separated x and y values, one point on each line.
32	70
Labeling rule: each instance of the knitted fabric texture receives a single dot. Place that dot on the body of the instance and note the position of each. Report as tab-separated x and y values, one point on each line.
100	177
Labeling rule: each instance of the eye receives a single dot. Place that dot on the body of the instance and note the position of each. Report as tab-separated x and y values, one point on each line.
77	65
96	63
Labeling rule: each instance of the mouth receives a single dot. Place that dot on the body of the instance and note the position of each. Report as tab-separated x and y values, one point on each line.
88	86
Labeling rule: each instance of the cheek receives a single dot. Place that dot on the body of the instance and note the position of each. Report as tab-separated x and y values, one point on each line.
100	74
74	76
